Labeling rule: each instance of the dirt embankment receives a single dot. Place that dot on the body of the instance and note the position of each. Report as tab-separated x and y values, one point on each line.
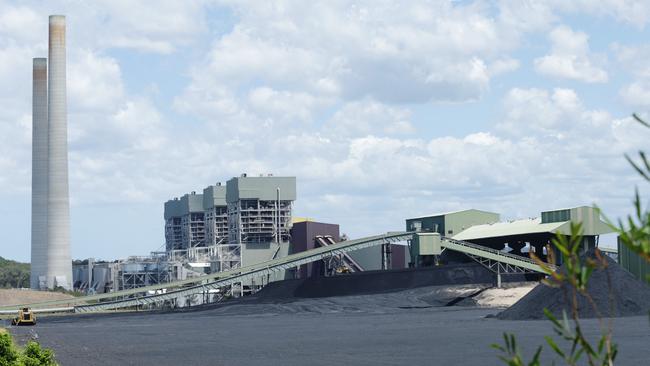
18	296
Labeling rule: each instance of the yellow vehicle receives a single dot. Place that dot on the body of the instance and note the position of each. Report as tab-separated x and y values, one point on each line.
25	317
342	269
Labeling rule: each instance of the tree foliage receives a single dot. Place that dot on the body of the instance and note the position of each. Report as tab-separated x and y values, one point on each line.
13	274
31	355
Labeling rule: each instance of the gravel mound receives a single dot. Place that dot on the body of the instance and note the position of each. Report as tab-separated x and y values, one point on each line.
629	297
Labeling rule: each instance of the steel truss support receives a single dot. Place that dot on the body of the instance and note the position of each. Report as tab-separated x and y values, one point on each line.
232	277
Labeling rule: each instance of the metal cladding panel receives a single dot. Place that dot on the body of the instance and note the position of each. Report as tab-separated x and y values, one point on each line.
590	219
399	259
432	224
303	236
172	209
262	188
427	244
633	262
255	253
39	172
191	203
460	221
59	269
214	196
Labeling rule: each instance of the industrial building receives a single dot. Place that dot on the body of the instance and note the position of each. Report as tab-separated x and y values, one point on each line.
518	237
185	222
244	222
259	208
51	264
215	209
249	222
307	234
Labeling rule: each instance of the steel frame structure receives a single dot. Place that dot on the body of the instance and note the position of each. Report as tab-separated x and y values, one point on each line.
133	298
494	260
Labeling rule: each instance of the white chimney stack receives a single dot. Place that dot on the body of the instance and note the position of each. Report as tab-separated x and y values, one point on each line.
39	173
59	263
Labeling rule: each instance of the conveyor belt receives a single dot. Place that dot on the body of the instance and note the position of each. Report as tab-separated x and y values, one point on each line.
349	261
517	263
216	280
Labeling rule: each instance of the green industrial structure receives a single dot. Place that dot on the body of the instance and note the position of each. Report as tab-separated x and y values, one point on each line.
633	262
518	237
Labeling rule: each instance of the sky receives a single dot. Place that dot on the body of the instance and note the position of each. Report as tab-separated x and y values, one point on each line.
383	110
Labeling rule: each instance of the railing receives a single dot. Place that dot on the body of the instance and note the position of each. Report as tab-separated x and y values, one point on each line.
495	254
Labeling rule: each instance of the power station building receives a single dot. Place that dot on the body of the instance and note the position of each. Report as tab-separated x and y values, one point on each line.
185	222
245	210
51	264
215	210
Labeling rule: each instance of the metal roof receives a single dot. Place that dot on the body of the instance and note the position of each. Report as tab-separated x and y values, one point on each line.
451	213
517	227
264	188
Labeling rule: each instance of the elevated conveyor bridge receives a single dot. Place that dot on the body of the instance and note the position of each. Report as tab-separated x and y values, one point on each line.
133	298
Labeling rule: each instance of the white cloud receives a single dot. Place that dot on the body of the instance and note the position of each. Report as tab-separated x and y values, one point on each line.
20	23
94	82
633	60
415	52
539	15
332	92
570	57
637	93
362	118
502	66
283	104
633	12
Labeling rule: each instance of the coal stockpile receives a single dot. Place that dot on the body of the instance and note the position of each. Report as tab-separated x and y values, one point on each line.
372	282
627	297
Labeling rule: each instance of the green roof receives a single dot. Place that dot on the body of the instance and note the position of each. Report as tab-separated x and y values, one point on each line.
517	227
451	213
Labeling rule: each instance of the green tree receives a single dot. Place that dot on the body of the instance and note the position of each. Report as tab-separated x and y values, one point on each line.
31	355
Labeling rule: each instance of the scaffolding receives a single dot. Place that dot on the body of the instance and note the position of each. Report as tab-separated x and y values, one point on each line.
193	229
138	272
228	256
173	233
216	225
259	221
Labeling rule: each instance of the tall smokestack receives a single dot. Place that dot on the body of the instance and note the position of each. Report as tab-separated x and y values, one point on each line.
59	264
39	172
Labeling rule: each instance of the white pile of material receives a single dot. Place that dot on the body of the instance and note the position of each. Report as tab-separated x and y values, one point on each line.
505	296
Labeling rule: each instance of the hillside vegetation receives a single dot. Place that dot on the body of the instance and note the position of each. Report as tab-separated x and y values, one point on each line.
13	274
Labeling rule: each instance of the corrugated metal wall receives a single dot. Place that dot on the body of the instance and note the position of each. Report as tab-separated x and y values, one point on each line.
633	262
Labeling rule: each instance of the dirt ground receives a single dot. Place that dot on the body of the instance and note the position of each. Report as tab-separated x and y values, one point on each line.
20	296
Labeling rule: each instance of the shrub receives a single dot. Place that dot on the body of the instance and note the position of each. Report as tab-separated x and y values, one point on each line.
31	355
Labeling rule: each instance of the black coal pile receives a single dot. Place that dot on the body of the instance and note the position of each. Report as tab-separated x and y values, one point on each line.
627	297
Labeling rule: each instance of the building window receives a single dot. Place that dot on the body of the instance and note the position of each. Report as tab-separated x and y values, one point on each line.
556	216
416	225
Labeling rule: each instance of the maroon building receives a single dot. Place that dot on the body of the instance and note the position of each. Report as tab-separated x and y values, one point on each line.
303	237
